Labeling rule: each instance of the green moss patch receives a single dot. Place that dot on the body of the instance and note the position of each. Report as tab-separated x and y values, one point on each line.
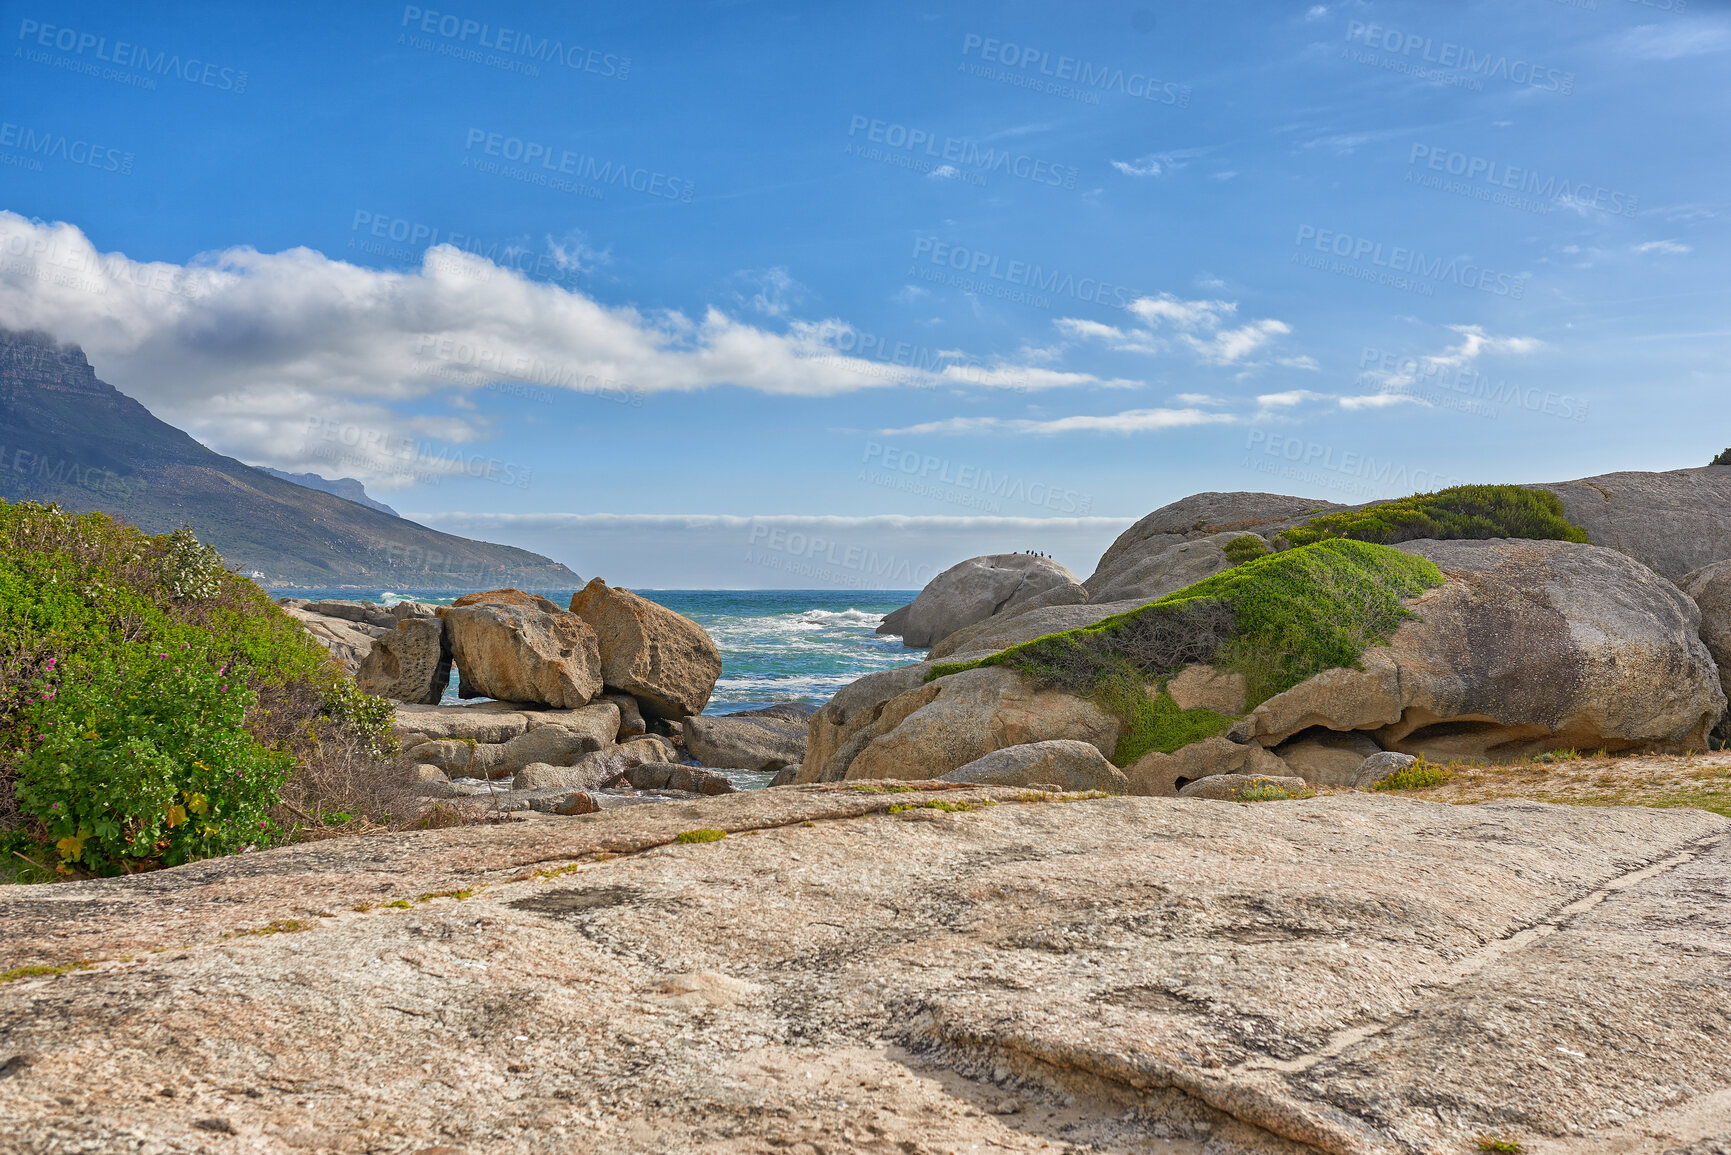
1276	620
1464	512
1155	722
708	834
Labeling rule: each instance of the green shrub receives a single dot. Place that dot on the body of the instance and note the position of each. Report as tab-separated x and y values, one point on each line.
1246	548
1722	458
1262	790
1463	512
1277	620
1154	722
1419	776
114	758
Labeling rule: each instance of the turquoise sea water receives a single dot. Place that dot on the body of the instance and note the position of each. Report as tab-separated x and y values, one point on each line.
776	645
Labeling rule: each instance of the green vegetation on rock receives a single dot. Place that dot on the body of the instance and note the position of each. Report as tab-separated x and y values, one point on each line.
1470	512
153	706
1245	548
1722	458
1421	775
1276	620
706	834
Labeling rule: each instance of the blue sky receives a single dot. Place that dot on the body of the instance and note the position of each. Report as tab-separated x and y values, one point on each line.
675	292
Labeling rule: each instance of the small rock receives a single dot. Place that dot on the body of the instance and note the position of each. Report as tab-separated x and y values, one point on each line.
1007	1107
1379	766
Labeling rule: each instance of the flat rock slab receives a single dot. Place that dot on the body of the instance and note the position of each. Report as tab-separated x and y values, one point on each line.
1347	974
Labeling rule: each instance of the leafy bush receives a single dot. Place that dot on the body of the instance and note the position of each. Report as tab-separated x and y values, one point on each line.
1472	512
1421	775
1262	790
1722	458
1246	548
1154	721
113	758
1277	620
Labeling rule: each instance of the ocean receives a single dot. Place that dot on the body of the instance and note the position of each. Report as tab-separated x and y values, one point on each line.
776	645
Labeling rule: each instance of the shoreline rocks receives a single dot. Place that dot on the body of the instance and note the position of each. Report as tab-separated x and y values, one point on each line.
977	589
523	653
666	661
768	739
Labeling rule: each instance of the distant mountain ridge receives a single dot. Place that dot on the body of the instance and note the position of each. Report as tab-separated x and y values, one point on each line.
346	487
67	436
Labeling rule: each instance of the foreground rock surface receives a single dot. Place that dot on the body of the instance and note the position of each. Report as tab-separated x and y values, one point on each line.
1271	978
664	660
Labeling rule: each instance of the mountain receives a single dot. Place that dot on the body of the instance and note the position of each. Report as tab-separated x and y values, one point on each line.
342	486
68	437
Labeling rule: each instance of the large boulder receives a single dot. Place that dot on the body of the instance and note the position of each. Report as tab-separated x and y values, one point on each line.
519	653
508	597
477	722
1004	630
975	590
767	739
1326	757
929	729
1160	775
1527	646
666	661
1061	762
1675	522
411	663
1145	557
365	613
1710	587
673	776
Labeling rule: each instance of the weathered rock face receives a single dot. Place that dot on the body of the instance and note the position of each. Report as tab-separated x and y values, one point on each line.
1005	630
1363	936
1231	787
508	597
1528	646
1328	757
666	661
364	613
767	739
1378	767
631	722
1710	587
348	641
1158	775
1139	560
1202	687
975	590
673	776
523	654
1061	762
411	663
603	768
929	729
1674	522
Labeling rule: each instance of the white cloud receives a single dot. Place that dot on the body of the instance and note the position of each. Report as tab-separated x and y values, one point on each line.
1395	386
1199	399
773	292
245	349
1169	322
1672	248
1290	398
1158	163
1651	42
1130	421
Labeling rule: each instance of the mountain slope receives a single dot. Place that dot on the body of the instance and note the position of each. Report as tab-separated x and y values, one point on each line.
68	437
345	487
